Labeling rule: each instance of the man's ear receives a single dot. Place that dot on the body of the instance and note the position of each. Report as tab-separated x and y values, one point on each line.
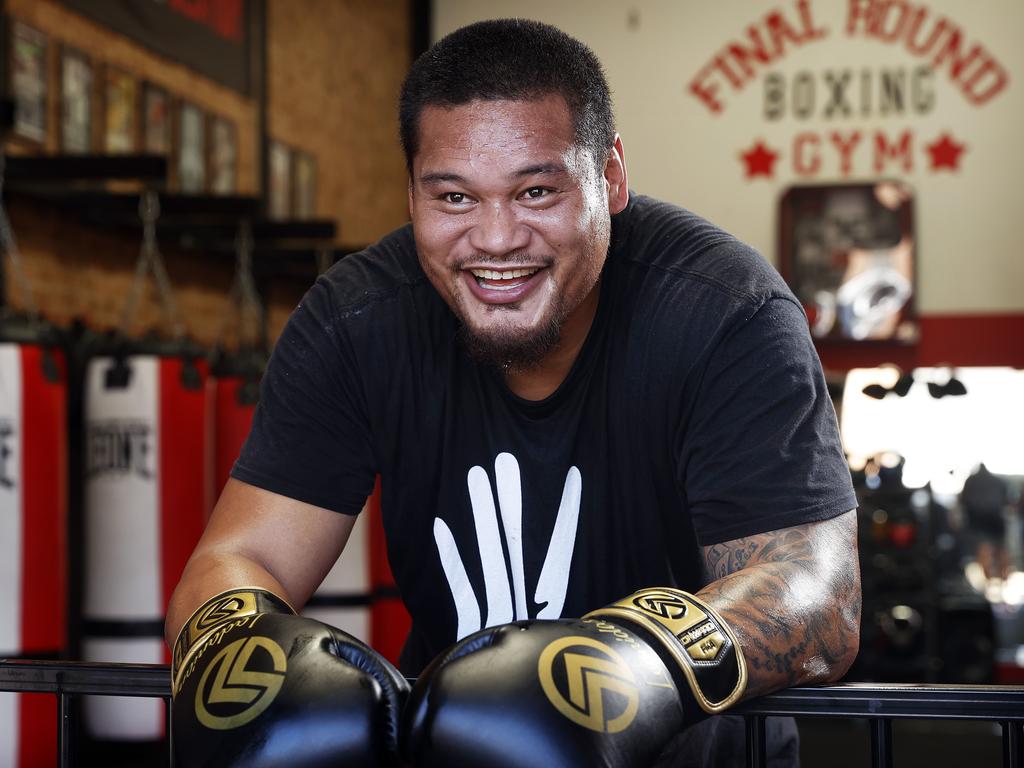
615	178
409	194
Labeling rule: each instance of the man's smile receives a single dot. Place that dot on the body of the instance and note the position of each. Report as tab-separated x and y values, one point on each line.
502	286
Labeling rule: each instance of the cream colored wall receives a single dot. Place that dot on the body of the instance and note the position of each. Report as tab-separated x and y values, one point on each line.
970	223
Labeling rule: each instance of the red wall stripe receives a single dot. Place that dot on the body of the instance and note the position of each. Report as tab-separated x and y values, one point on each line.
182	463
959	340
44	541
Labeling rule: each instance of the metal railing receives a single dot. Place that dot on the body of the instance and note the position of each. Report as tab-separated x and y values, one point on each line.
69	679
880	705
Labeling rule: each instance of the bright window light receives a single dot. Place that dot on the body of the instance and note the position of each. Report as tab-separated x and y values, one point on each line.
942	439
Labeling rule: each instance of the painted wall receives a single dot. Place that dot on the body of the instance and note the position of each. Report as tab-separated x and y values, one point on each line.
724	105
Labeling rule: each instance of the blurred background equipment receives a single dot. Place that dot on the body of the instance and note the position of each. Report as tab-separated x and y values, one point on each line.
940	536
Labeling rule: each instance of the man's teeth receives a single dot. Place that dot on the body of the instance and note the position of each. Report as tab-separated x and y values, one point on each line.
508	274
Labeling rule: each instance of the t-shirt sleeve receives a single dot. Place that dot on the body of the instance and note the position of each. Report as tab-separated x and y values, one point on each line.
761	449
310	439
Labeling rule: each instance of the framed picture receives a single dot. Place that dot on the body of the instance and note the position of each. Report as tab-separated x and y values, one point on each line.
76	85
156	120
29	81
119	109
304	186
191	149
848	253
223	156
279	204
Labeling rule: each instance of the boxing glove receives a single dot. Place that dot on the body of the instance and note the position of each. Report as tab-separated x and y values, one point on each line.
255	685
610	689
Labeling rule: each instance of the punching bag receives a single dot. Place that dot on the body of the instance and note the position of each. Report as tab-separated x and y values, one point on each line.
235	376
359	595
33	538
145	508
389	620
234	390
145	431
33	511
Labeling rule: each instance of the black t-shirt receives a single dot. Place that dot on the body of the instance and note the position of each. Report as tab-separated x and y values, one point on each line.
695	413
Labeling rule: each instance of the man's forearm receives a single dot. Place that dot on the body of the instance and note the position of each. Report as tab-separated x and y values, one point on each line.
257	538
793	599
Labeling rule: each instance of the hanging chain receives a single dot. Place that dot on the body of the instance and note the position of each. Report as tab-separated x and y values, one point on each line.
251	302
243	295
10	247
150	259
324	258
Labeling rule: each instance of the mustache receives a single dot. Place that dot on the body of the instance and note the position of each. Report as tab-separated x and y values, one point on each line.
513	259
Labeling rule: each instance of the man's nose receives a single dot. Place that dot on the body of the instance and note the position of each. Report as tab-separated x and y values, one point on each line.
498	231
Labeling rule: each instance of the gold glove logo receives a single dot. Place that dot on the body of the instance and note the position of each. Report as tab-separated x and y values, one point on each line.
663	604
212	615
594	683
239	604
240	688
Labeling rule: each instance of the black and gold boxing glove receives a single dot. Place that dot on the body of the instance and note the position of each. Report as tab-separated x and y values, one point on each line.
692	639
256	685
610	689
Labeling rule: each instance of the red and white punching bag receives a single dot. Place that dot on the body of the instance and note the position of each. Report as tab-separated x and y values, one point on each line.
233	398
145	509
33	537
359	594
389	620
343	598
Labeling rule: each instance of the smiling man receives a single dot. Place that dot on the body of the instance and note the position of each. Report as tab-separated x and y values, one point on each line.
511	219
612	488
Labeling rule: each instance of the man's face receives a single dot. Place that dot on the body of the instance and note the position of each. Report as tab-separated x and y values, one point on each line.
512	221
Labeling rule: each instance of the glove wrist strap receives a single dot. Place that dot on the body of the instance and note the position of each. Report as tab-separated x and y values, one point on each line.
694	636
218	615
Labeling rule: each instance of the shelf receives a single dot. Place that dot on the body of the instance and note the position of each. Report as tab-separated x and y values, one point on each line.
6	115
75	185
286	259
32	170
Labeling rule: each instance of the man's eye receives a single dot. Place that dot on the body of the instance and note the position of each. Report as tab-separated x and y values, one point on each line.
454	197
535	193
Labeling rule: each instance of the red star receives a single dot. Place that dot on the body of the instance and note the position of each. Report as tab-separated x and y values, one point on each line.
760	160
945	153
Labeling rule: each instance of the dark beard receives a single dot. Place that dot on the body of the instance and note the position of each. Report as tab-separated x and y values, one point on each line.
513	350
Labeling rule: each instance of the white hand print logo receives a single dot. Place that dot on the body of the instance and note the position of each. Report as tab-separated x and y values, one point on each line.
498	583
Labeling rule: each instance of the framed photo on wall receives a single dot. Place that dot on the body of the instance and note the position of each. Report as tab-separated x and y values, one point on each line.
191	149
29	76
223	156
119	110
304	191
156	120
76	88
848	251
279	204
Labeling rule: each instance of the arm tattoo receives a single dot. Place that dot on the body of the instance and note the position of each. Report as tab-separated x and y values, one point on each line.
787	545
793	598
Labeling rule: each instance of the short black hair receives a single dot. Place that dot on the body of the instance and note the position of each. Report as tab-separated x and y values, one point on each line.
513	59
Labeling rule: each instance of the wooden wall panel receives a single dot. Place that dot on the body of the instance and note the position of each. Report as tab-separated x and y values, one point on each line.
334	71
